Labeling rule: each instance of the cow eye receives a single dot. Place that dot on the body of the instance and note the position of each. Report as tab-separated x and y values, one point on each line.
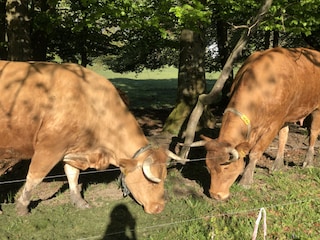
225	163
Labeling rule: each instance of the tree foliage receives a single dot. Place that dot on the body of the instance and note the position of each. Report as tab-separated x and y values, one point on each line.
297	16
147	32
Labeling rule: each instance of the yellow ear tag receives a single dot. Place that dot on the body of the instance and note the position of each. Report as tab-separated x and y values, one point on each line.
123	171
242	154
245	119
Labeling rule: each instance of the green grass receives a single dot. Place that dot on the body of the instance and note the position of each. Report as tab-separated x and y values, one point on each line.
149	89
161	74
291	200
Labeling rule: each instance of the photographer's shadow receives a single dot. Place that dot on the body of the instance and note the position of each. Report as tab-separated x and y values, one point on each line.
121	226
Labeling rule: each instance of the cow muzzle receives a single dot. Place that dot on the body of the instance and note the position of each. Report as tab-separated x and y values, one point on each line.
154	208
220	196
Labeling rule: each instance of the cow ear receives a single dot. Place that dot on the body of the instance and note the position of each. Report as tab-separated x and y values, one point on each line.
214	145
205	138
127	165
243	149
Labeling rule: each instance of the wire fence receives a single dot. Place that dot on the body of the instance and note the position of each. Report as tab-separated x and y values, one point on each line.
118	169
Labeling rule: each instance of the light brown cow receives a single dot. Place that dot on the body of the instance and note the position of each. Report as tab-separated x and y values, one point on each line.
272	88
52	112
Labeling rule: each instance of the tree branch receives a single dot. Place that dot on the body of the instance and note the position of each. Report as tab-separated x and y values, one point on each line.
209	98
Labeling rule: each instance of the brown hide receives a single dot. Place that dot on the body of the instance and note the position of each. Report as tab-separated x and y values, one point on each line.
272	88
49	111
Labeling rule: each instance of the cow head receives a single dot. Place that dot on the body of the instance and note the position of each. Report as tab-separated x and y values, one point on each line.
225	164
144	177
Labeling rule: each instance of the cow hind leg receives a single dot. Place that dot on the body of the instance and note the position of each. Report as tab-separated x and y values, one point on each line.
283	137
75	196
41	164
314	132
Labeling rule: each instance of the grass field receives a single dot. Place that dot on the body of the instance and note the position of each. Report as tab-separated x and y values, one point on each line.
291	199
158	88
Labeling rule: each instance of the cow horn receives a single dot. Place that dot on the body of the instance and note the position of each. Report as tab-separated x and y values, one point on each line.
194	144
198	143
176	157
234	153
147	170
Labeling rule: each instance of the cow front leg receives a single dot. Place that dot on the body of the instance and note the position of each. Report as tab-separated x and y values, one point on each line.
75	196
247	176
23	201
41	164
256	153
283	137
314	132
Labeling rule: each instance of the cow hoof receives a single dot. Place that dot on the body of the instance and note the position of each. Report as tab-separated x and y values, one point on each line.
245	184
308	161
82	204
22	210
307	165
276	168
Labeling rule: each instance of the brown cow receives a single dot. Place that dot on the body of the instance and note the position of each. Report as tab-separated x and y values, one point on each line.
52	112
272	88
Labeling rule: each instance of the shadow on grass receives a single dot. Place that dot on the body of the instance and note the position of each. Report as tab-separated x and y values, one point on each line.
122	225
144	94
196	169
150	93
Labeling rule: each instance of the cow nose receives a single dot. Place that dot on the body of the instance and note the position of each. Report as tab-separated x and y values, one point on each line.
220	196
154	208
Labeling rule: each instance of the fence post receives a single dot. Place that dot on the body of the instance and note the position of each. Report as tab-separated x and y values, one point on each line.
256	227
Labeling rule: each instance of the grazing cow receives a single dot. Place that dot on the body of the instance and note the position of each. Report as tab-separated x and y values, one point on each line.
272	88
52	112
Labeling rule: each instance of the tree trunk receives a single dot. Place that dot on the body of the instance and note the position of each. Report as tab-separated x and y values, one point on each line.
267	36
39	45
39	36
275	39
3	49
191	78
18	30
206	99
83	47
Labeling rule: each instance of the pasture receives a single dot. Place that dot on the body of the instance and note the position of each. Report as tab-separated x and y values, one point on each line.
291	198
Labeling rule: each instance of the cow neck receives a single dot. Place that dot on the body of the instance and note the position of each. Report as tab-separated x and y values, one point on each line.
141	150
125	189
243	117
